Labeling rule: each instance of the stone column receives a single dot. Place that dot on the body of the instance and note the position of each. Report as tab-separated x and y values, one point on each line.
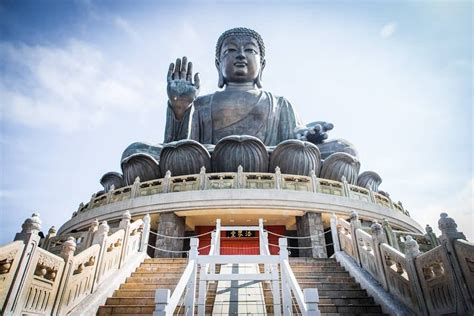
311	224
169	225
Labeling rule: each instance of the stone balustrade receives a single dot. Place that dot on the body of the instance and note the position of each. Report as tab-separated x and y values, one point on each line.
436	282
36	281
240	180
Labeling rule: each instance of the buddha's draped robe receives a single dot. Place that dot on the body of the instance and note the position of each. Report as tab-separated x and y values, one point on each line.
271	119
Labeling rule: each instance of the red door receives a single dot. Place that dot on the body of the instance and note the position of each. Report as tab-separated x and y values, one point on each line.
239	243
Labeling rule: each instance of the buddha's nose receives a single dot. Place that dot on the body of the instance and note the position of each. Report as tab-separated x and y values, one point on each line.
240	54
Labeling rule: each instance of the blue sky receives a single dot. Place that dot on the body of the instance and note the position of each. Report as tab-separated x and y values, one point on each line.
81	80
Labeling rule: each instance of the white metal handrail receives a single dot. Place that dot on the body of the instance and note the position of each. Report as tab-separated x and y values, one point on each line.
307	300
165	305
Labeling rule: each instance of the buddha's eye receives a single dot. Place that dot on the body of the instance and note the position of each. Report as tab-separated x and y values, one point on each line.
230	50
251	51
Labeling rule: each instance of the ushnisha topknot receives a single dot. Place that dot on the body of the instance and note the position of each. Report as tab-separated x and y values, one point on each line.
239	31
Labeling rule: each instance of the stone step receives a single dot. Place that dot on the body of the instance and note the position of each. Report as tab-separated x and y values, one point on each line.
326	278
331	308
328	285
134	293
318	269
153	279
166	260
162	267
159	269
130	301
134	286
129	310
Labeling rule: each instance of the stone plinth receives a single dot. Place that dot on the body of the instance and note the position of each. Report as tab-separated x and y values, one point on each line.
169	225
311	224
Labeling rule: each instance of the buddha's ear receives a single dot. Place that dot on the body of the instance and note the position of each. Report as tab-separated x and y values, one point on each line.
258	81
221	81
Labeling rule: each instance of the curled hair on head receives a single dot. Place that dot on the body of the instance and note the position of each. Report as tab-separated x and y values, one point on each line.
241	31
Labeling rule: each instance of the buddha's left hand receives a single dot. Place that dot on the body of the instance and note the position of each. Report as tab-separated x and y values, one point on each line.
315	132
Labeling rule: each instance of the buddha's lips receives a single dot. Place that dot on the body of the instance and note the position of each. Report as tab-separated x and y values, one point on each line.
240	64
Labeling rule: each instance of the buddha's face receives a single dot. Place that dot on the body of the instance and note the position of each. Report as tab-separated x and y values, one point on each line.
240	60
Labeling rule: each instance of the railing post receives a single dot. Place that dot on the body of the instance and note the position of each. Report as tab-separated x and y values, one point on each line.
311	298
67	253
29	236
167	182
191	292
90	233
278	178
314	182
431	236
371	194
110	194
218	238
345	187
125	225
355	224
100	238
335	235
202	179
145	233
240	178
412	250
47	239
162	298
449	234
135	188
378	238
389	235
286	292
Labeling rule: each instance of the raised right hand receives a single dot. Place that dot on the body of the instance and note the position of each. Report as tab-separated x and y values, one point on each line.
181	90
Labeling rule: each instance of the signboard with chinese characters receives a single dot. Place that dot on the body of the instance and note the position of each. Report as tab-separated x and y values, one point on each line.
241	233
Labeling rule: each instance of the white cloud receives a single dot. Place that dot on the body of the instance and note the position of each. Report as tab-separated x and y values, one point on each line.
68	87
388	29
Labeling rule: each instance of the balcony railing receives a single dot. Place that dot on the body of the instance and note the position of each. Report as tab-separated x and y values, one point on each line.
241	180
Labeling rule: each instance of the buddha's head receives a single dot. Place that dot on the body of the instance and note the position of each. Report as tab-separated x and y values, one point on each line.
240	57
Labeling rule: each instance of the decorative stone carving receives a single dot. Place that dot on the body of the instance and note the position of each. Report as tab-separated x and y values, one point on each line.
296	157
47	267
370	180
338	165
412	249
31	225
103	228
112	179
246	151
141	160
448	227
184	157
68	247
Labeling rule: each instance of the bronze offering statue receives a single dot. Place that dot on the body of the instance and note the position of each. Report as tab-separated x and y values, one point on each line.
241	120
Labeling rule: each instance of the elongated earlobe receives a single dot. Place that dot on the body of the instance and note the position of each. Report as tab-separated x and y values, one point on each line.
221	81
258	80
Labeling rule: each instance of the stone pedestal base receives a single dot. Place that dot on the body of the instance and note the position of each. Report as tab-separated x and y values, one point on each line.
311	224
170	225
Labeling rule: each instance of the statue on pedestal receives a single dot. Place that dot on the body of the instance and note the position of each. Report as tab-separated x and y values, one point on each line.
242	120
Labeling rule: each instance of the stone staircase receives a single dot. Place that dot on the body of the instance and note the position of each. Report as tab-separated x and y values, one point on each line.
339	293
137	295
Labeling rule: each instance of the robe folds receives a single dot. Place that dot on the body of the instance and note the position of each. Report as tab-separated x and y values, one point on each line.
272	119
